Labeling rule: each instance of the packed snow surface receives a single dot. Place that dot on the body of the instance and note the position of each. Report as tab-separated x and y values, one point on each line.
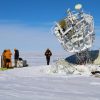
37	83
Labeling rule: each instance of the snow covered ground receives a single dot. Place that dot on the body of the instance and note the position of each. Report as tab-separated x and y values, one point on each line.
34	83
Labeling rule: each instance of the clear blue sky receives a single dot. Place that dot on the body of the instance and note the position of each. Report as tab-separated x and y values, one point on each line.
27	24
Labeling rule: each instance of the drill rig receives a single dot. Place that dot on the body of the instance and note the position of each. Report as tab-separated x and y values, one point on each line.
76	33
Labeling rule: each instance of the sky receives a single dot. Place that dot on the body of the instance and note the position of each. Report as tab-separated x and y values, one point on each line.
27	24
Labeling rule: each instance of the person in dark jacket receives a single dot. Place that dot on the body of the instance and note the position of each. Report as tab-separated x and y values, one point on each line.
48	54
16	56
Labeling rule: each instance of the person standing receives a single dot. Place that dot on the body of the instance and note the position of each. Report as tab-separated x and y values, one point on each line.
48	54
16	56
7	57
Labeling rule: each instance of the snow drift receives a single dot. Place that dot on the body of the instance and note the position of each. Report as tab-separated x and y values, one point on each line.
61	66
